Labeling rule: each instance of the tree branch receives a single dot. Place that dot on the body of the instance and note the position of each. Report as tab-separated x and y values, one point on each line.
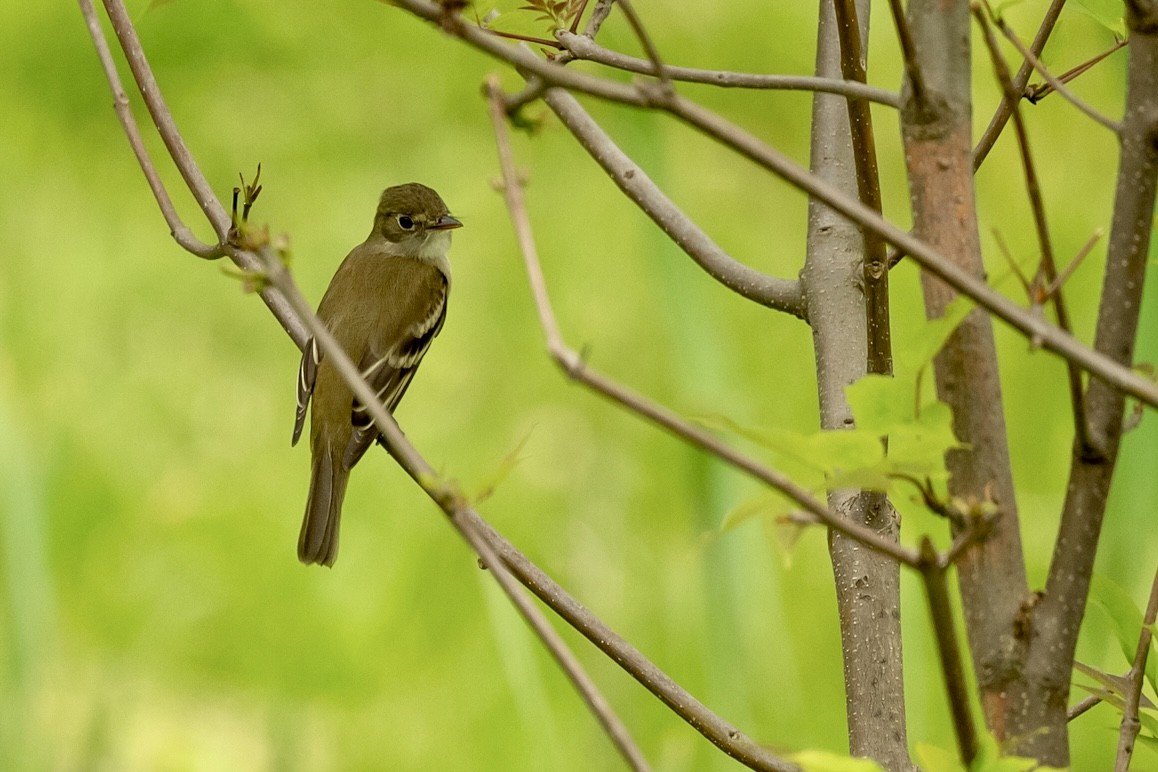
867	585
864	152
574	367
781	294
949	651
452	503
1054	82
1001	117
586	49
658	69
180	232
1057	618
991	577
1048	269
1132	698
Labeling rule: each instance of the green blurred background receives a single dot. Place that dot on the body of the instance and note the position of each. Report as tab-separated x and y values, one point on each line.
152	613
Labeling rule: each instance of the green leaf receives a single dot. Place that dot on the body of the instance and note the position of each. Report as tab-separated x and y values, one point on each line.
1108	13
824	761
1126	619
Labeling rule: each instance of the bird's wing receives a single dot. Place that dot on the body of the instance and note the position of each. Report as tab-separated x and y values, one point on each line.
389	373
307	376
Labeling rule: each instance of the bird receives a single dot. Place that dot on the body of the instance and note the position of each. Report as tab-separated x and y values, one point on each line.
384	306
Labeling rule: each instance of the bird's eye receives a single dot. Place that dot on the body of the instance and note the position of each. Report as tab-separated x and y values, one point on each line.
405	222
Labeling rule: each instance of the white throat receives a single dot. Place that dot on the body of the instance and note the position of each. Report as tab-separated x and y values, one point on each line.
433	249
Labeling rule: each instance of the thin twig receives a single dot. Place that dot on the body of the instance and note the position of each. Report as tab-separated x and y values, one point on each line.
1055	83
716	127
574	366
163	120
658	68
1001	117
875	265
908	51
782	294
1048	266
1037	92
598	16
1128	732
1083	706
181	233
949	649
588	50
1068	271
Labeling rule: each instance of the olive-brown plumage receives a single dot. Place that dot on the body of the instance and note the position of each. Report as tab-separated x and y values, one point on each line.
385	304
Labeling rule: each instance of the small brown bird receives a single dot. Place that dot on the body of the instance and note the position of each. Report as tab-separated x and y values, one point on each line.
384	305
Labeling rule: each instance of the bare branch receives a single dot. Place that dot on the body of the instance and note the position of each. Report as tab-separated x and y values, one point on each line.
598	16
181	233
574	366
194	179
781	294
657	66
1055	83
949	649
1057	618
867	584
908	51
1037	92
1037	206
1068	271
583	48
1001	117
1130	723
875	269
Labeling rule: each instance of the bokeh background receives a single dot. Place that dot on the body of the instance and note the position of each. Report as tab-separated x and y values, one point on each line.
152	613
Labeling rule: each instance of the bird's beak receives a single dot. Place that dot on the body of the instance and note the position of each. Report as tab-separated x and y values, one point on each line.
444	223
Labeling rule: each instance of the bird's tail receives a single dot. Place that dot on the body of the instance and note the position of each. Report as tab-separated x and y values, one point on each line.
318	542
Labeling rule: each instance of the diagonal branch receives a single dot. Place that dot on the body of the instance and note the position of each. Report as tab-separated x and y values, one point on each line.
1037	206
658	68
1055	83
1001	117
448	499
574	367
781	294
933	572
